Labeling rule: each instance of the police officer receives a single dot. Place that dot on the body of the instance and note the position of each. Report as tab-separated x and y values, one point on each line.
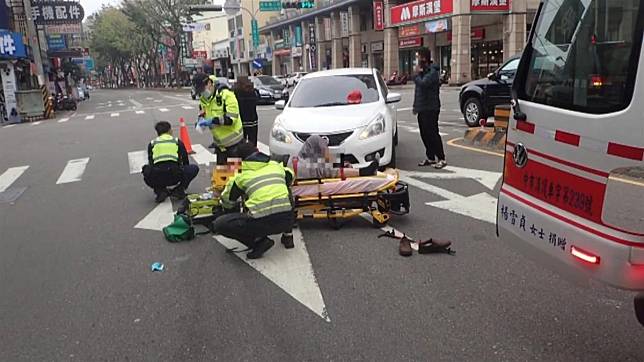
220	112
168	165
265	188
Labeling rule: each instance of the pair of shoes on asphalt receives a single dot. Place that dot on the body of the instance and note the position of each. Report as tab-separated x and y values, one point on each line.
212	145
178	193
266	243
424	247
435	164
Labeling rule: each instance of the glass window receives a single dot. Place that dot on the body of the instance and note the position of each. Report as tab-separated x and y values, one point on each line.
509	69
584	55
314	92
383	85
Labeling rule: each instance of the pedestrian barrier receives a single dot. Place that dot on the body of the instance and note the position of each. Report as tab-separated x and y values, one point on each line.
491	137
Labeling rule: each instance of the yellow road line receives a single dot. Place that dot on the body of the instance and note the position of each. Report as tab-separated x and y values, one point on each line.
453	144
626	180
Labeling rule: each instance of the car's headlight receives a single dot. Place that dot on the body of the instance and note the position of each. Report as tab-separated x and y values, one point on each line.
264	92
374	128
279	134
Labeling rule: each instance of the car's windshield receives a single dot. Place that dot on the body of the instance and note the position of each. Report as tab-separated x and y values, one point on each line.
335	90
267	80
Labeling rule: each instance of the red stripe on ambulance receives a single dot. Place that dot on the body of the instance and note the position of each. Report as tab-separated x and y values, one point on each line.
569	138
630	152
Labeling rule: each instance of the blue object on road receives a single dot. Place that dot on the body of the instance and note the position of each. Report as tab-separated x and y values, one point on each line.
157	267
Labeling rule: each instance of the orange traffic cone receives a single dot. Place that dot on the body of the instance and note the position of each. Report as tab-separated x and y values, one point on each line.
184	136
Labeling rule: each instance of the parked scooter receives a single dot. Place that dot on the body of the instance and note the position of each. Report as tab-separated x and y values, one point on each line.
397	79
63	102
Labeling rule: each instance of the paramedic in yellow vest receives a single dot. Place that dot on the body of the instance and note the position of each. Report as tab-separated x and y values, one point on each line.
220	113
168	165
264	186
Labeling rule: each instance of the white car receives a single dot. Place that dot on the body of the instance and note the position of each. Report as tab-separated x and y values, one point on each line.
291	80
351	107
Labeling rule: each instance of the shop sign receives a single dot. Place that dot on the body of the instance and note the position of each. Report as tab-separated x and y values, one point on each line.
9	87
419	10
280	44
344	24
220	53
410	30
436	26
57	12
56	41
63	29
475	34
489	5
296	51
196	27
298	35
378	16
203	54
377	46
11	45
327	28
282	52
415	42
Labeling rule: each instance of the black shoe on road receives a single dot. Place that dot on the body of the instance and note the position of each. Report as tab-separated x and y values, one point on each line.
287	241
260	248
161	196
212	145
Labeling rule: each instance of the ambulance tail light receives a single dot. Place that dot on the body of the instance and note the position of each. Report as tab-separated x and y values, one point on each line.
596	80
584	255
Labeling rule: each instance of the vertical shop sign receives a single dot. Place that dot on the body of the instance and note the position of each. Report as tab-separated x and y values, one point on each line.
327	29
298	36
378	16
312	47
344	24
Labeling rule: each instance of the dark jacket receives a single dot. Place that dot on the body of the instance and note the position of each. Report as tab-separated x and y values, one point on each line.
247	107
426	94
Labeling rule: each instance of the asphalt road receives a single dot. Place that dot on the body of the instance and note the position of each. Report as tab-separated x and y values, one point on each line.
75	279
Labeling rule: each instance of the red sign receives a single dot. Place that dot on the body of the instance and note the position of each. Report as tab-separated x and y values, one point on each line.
490	5
475	34
199	54
410	42
410	30
378	16
419	10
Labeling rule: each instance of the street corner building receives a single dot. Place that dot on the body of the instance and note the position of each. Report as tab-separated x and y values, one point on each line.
467	38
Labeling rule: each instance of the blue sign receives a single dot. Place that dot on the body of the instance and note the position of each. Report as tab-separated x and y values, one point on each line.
56	42
11	45
89	64
257	64
298	36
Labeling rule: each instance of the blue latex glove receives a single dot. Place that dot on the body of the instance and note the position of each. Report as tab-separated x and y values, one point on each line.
205	122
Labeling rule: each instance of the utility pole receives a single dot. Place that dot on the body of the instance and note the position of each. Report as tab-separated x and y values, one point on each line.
32	35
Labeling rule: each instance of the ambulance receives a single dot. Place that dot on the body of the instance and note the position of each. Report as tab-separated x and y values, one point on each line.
572	195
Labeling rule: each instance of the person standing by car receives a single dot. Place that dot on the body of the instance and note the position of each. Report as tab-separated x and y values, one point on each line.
247	99
427	106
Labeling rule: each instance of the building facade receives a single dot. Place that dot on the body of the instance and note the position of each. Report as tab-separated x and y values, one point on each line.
467	38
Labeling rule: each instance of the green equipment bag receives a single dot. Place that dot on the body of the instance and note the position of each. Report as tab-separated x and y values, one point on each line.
181	229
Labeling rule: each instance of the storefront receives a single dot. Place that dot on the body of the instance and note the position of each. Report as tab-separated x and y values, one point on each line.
377	55
409	48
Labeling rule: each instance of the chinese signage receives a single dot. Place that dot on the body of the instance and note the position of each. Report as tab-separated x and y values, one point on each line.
57	12
410	30
200	54
378	16
298	35
270	5
344	24
196	27
419	10
523	224
312	47
11	45
63	29
254	27
490	5
296	51
327	29
410	42
377	46
56	41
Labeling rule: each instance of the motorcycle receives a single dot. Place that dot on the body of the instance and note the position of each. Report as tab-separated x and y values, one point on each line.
444	78
397	79
63	102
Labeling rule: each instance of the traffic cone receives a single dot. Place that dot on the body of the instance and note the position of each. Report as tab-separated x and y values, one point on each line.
184	136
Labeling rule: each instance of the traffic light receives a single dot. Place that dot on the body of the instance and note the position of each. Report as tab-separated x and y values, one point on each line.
307	4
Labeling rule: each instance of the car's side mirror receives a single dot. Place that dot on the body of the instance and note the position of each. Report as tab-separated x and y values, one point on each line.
492	76
280	104
393	97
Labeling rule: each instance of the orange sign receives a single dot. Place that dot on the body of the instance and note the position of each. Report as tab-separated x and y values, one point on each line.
410	30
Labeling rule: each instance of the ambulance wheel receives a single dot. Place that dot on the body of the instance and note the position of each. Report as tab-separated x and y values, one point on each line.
638	303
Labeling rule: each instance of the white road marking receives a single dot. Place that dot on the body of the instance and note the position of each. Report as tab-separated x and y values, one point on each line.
160	217
63	120
417	130
73	171
135	103
187	107
202	155
119	101
404	109
36	123
488	179
158	100
136	160
140	112
91	116
480	206
163	109
289	269
149	98
10	176
114	114
9	126
180	95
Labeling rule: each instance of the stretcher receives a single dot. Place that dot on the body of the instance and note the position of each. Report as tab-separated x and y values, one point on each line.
333	199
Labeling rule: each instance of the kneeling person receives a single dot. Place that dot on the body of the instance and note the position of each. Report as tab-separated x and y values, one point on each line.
168	164
264	185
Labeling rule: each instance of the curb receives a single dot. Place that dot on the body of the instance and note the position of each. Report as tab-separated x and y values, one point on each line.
485	137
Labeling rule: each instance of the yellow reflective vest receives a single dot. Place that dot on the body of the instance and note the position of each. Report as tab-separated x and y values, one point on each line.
165	148
223	103
264	184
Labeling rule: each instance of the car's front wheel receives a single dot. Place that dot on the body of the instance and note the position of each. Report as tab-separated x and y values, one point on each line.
392	162
472	112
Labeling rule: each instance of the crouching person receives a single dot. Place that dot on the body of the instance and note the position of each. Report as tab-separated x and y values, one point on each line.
168	165
264	186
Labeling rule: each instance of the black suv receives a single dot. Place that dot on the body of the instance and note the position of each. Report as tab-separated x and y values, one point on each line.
478	98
